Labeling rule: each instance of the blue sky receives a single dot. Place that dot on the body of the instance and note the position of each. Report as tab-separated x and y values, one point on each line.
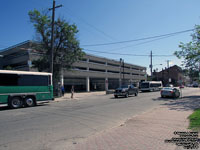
107	21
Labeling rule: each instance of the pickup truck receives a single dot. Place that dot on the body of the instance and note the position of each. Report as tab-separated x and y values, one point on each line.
126	90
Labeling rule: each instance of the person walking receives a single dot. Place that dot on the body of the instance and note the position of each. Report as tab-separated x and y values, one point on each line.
72	92
63	90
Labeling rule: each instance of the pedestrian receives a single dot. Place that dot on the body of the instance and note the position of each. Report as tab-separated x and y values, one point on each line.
72	92
63	90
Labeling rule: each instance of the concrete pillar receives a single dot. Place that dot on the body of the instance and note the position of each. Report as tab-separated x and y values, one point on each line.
106	84
88	64
88	84
62	80
106	64
120	82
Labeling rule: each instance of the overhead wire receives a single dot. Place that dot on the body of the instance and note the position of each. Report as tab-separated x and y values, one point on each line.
141	39
90	25
120	42
139	43
128	54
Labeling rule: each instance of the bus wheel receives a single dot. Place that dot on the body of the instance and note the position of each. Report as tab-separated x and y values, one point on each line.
15	102
30	101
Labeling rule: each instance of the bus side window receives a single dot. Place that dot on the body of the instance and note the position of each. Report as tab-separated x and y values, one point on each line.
9	79
49	80
33	80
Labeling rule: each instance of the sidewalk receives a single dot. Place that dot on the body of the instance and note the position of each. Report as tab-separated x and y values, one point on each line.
147	131
78	96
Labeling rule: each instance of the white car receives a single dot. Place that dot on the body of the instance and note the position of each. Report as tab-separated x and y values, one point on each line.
170	92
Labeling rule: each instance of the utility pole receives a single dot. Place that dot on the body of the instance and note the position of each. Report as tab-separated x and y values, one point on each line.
52	34
169	79
151	65
120	80
168	63
123	72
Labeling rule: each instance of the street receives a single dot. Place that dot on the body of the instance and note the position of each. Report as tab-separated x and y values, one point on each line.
57	125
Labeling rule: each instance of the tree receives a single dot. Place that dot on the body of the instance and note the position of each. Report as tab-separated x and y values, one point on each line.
191	51
66	46
192	73
8	68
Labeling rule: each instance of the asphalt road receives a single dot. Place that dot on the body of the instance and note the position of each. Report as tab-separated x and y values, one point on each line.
57	125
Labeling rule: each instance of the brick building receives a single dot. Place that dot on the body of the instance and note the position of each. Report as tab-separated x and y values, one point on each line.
172	75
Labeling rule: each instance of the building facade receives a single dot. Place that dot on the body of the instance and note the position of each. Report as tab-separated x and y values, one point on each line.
172	75
91	73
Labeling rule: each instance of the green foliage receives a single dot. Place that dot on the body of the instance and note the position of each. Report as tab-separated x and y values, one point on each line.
195	120
190	52
66	45
192	73
8	68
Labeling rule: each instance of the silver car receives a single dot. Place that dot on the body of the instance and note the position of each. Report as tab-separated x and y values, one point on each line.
170	92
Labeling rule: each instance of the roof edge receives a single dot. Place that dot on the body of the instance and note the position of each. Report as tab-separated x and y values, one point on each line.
16	45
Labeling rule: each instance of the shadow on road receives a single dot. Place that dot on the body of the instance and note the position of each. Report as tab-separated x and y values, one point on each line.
122	97
8	108
182	104
165	99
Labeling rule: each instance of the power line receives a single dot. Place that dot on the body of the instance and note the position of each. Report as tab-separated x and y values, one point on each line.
92	26
141	39
140	43
126	54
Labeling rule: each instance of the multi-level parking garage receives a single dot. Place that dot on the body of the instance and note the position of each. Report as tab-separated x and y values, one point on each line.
89	74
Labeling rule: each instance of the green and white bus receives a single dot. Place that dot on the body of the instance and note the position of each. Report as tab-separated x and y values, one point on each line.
24	88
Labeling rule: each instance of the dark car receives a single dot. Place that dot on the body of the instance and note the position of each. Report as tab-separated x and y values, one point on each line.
195	85
170	92
126	90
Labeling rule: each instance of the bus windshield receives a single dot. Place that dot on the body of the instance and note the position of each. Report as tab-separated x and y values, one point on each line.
145	85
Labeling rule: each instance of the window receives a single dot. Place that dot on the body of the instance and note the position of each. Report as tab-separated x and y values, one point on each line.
155	85
145	85
125	67
114	65
135	74
79	68
97	62
33	80
9	79
96	70
109	71
135	68
23	80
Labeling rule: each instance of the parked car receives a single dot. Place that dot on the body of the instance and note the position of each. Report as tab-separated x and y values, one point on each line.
195	85
170	92
126	90
189	85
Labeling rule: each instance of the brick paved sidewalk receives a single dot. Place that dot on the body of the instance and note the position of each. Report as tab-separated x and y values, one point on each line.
143	132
